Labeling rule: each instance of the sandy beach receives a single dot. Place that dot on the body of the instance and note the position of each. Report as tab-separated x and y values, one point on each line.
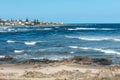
62	70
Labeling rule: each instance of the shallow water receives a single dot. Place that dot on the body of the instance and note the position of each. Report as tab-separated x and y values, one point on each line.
92	40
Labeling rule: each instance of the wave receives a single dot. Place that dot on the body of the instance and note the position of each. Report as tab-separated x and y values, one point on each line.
95	38
25	42
47	29
90	29
22	29
96	49
106	29
72	52
118	40
30	43
14	30
43	29
18	51
10	41
81	29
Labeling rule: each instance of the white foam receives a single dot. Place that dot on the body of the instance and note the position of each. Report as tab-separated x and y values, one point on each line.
12	29
18	51
92	39
90	29
95	38
10	41
88	38
74	47
44	29
2	56
96	49
82	29
72	52
118	40
107	29
108	51
47	28
30	43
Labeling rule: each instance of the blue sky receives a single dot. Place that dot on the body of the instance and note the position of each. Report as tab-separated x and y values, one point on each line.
67	11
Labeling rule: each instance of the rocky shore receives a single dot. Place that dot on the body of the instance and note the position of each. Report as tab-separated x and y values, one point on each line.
75	59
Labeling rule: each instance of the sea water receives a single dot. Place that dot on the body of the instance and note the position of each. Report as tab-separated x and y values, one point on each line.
56	42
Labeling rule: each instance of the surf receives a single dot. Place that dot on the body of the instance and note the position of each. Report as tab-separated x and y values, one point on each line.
74	29
107	51
95	38
18	51
10	41
31	43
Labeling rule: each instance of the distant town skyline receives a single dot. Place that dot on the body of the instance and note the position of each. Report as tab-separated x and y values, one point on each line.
66	11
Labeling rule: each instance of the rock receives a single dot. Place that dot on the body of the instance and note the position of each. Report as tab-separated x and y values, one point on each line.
6	58
87	61
76	59
103	61
43	61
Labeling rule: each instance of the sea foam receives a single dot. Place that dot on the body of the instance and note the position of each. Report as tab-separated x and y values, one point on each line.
95	38
10	41
2	56
18	51
90	29
81	28
30	43
96	49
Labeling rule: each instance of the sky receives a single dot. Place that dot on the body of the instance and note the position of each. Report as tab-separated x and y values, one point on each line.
66	11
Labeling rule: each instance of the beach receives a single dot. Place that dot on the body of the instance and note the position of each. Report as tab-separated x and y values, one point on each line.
75	68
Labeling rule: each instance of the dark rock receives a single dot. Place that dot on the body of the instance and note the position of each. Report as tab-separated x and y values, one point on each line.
43	61
6	58
103	61
76	59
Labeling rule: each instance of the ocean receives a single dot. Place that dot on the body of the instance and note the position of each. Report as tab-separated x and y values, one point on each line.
57	42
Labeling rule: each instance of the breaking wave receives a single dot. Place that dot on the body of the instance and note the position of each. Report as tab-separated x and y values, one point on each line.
30	43
25	42
18	51
45	29
94	38
10	41
96	49
90	29
22	29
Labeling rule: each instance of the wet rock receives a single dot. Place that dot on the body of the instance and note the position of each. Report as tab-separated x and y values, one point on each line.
43	61
76	59
6	58
103	61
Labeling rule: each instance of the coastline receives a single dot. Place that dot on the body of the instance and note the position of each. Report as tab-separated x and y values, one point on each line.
74	68
52	25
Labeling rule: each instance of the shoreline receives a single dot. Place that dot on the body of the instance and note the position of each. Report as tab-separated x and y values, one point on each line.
35	25
74	68
75	59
